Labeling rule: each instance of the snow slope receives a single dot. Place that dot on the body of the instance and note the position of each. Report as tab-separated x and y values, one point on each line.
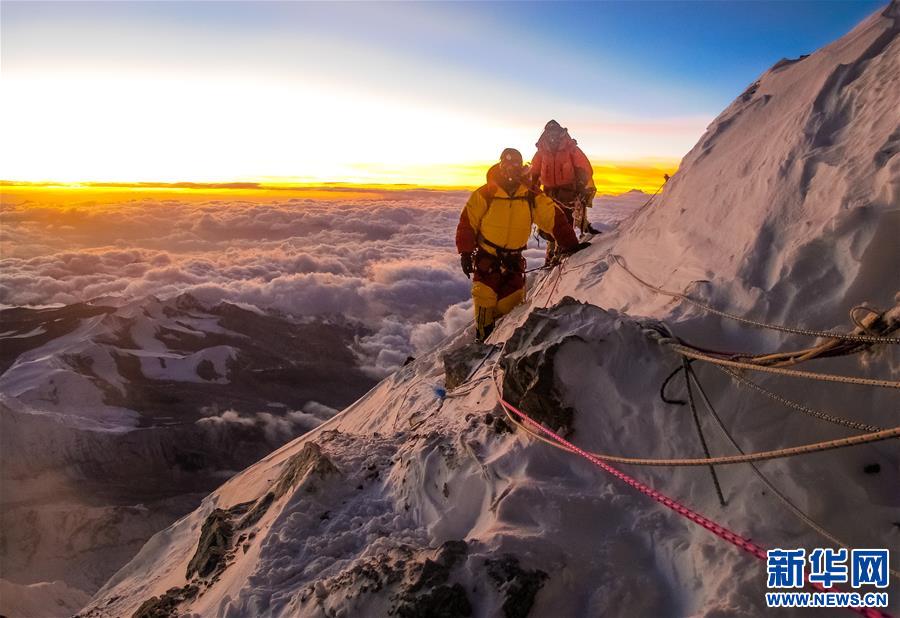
415	503
117	416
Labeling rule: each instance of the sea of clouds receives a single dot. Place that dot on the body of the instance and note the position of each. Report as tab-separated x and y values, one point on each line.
387	260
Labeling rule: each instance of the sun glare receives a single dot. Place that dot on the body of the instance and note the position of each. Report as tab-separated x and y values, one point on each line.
166	128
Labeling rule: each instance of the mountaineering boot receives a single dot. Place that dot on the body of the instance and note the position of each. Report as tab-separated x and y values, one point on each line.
550	253
483	333
484	323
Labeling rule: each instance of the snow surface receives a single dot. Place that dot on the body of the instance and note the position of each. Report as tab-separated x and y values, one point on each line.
787	210
111	426
41	381
11	334
44	600
184	368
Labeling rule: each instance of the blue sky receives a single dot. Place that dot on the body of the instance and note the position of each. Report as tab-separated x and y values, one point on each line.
632	80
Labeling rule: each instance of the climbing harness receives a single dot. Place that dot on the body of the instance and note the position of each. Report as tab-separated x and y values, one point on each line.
488	192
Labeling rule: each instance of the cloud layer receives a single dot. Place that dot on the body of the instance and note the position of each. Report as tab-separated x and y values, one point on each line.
390	263
387	259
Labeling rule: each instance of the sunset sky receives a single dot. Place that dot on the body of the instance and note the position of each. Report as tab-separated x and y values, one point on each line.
425	94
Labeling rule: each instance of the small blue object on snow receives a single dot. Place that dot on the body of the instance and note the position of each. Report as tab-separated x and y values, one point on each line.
440	392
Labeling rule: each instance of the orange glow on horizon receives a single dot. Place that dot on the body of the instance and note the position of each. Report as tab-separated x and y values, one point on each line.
372	181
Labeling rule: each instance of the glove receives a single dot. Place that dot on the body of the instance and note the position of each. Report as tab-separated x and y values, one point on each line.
587	196
575	249
465	262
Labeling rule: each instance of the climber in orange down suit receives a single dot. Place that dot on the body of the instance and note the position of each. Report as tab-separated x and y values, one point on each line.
566	175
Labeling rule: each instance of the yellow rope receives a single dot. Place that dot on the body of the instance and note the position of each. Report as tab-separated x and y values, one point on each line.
735	459
787	502
796	373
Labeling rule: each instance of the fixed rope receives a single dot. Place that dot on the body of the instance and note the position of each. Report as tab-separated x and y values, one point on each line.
734	459
787	502
823	416
796	373
791	451
779	327
722	532
717	529
658	189
742	458
686	366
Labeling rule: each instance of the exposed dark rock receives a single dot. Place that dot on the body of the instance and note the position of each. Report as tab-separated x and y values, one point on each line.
310	460
207	371
215	542
529	382
518	585
259	509
442	602
166	606
459	363
426	591
437	571
370	576
498	423
416	580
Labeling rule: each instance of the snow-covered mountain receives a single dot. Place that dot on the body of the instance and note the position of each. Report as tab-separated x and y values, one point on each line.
117	417
418	500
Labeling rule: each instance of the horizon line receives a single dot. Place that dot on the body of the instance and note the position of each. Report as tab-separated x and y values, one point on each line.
336	186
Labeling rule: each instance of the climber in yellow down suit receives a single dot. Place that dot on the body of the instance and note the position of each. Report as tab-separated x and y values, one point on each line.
493	230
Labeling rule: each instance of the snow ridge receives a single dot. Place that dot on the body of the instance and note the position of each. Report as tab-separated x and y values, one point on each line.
786	210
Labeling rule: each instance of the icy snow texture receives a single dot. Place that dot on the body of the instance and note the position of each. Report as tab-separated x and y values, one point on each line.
121	415
786	210
41	600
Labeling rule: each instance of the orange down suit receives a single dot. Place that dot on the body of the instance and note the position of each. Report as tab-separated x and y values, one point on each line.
563	168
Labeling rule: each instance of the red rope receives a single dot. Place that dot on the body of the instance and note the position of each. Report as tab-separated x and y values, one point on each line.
720	531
